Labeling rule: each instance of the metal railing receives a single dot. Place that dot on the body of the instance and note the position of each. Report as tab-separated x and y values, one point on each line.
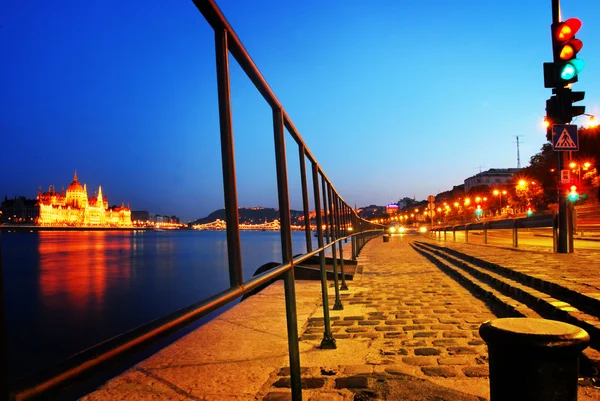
336	222
540	221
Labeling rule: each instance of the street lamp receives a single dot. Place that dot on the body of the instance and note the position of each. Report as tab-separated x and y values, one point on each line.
576	167
592	122
499	193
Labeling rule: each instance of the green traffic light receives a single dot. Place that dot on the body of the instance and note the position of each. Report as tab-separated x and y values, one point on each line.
571	69
573	196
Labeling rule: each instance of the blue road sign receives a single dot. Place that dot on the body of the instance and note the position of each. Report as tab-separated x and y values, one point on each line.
565	137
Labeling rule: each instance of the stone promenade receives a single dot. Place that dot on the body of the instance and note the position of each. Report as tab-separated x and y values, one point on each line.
407	331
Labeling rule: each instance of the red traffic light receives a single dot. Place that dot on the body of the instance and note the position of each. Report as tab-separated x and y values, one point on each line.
566	30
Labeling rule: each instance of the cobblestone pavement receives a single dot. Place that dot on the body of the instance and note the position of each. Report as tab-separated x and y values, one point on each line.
401	317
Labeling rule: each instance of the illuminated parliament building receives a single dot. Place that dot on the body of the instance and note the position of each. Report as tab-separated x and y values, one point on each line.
74	208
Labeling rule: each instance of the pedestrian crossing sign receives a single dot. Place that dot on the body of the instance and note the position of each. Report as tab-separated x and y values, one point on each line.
565	137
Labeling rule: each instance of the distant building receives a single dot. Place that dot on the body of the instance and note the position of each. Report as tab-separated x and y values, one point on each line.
141	215
491	177
19	210
74	208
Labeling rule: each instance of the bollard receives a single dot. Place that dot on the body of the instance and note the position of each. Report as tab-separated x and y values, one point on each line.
386	238
533	359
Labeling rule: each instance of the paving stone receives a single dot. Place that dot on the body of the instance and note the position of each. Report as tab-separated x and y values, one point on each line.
369	323
414	343
413	327
456	334
442	343
367	335
443	327
445	320
278	396
354	318
423	321
385	328
395	321
343	323
476	371
425	334
420	360
461	350
439	371
352	382
394	335
398	371
454	360
356	329
427	351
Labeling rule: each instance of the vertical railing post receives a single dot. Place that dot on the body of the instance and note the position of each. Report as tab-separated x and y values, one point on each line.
305	204
453	233
485	230
515	233
571	226
338	302
445	230
466	233
286	252
328	341
344	286
555	232
228	160
353	238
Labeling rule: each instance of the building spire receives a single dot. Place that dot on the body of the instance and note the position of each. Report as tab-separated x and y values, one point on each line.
75	176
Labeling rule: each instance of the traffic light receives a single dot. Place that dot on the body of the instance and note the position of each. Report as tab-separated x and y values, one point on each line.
478	211
529	211
568	98
560	108
565	46
573	195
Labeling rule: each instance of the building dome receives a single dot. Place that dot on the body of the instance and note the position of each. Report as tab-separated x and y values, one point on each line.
75	186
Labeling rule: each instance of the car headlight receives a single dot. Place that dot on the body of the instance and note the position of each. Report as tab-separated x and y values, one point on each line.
392	229
401	229
423	229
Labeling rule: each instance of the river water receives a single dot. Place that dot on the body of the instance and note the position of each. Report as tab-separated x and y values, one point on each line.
68	290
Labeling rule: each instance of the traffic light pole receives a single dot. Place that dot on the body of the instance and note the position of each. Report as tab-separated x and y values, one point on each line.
562	212
563	244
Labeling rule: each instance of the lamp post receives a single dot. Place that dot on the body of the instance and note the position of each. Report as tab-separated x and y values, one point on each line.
499	193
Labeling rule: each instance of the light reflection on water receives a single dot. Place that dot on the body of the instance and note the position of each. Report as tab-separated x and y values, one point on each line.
68	290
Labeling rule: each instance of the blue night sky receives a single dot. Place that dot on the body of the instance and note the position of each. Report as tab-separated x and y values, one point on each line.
394	98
